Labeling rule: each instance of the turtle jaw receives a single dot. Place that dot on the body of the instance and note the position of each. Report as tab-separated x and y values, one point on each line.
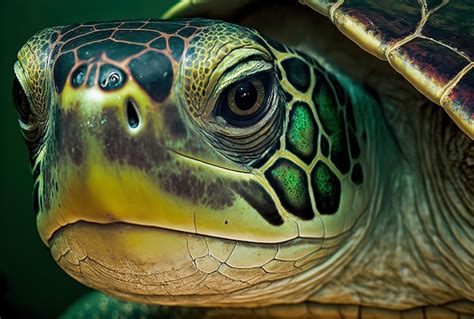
181	194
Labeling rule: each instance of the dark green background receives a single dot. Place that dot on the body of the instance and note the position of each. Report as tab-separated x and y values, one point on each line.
31	284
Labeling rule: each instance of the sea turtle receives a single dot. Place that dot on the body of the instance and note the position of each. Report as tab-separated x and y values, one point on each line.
260	167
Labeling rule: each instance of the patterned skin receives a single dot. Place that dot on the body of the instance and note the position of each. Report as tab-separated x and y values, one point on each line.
196	162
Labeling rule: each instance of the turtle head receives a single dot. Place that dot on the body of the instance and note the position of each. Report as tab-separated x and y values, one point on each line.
160	163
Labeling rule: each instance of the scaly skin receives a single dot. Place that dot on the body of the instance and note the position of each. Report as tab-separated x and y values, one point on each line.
150	187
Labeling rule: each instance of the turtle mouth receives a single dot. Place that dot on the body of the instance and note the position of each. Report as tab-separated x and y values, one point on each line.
186	157
95	208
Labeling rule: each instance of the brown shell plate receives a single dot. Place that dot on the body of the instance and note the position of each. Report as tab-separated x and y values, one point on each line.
428	41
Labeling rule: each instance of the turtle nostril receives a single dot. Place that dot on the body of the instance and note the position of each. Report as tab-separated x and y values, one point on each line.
132	115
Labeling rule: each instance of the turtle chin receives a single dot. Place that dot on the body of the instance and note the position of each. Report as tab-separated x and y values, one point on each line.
159	266
141	263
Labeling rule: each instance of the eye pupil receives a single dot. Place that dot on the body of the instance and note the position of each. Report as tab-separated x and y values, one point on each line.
246	96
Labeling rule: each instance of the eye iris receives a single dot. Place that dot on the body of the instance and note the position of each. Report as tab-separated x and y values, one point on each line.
245	102
245	96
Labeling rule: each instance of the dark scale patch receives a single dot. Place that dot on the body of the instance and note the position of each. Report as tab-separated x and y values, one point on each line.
154	73
187	32
92	76
78	76
340	149
136	36
74	31
333	122
297	73
69	135
177	47
258	198
173	124
291	185
141	151
302	132
62	67
350	115
354	144
66	29
85	39
159	44
324	145
55	52
278	74
276	45
54	37
103	26
357	177
191	185
132	25
117	51
326	189
326	105
288	96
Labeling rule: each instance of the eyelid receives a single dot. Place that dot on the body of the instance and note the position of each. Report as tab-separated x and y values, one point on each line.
242	71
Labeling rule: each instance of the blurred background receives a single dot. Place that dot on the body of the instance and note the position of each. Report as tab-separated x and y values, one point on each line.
31	284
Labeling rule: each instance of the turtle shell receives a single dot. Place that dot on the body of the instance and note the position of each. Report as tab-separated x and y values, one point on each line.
428	41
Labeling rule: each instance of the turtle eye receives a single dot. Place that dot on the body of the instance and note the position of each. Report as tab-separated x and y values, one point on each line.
246	97
244	102
20	100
